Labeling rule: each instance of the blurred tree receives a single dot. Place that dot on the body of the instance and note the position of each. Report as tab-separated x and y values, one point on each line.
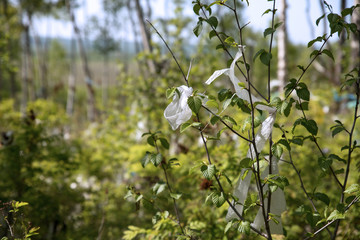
89	81
104	44
282	47
10	30
355	38
339	64
145	35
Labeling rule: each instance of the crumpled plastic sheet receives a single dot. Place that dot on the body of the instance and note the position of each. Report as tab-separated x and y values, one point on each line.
178	111
278	204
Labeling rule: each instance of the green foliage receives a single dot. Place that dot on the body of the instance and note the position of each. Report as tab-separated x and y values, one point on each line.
15	221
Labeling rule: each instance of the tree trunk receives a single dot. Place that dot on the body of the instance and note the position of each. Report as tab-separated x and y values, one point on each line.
71	82
145	36
105	81
282	44
92	111
340	53
355	38
30	65
308	18
24	73
42	60
322	7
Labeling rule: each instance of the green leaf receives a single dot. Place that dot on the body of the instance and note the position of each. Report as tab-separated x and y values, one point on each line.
220	46
151	141
226	103
213	105
303	93
297	140
176	196
337	129
228	226
243	106
266	11
322	197
146	159
318	39
324	163
198	28
170	92
159	188
265	58
274	218
224	94
230	41
184	126
319	19
196	9
214	120
258	54
314	53
244	227
218	199
277	150
278	25
328	53
290	86
194	103
268	31
213	21
139	198
286	107
311	126
208	171
347	11
164	143
246	163
285	143
156	159
354	188
212	34
337	158
229	120
336	215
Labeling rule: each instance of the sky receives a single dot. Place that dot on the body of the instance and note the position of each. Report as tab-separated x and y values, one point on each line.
297	25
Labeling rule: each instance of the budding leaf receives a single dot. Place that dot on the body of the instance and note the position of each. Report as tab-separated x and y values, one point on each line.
208	171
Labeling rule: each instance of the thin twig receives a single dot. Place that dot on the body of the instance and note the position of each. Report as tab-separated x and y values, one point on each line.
170	190
318	146
257	173
307	67
223	122
172	54
347	172
300	178
355	200
227	51
220	185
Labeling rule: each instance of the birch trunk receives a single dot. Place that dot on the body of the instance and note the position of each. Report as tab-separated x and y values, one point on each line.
282	44
42	60
355	38
145	36
340	53
91	111
29	64
71	81
24	72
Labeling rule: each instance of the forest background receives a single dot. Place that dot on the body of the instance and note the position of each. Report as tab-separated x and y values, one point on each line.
73	111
